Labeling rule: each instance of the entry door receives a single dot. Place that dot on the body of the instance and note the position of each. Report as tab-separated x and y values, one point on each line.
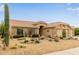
41	30
64	33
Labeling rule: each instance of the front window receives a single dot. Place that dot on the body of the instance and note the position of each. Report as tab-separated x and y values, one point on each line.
33	31
19	31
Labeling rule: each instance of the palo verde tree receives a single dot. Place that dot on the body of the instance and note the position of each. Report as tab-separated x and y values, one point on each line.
77	31
6	21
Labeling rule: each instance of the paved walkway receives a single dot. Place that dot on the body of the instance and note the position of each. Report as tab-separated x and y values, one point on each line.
73	51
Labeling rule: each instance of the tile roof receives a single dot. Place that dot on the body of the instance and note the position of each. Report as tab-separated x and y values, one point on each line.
55	24
19	23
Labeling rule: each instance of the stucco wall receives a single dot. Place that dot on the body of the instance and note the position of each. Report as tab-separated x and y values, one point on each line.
52	31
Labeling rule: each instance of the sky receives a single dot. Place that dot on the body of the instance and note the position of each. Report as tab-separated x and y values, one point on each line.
48	12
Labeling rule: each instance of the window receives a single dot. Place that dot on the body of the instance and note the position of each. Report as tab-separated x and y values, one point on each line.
19	31
34	31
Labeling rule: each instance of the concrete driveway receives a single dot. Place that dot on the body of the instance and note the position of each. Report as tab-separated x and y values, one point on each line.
73	51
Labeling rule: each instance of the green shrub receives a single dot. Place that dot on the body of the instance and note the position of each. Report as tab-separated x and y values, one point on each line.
61	37
18	36
76	38
49	36
22	46
13	47
26	41
35	35
76	31
56	40
42	38
37	41
50	40
32	40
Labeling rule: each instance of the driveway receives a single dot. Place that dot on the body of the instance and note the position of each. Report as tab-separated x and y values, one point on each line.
73	51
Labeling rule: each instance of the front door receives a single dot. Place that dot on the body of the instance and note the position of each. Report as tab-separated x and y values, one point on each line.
41	30
64	33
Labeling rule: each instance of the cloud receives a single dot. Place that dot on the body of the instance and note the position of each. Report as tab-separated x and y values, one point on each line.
68	4
1	8
75	11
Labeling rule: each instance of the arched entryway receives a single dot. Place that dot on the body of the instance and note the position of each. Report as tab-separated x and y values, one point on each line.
41	30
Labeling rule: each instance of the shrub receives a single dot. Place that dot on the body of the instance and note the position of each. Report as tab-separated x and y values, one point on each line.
35	35
76	31
13	47
18	36
50	40
26	41
42	38
37	41
56	40
76	38
49	36
32	39
61	37
22	46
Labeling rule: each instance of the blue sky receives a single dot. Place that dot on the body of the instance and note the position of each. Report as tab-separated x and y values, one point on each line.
54	12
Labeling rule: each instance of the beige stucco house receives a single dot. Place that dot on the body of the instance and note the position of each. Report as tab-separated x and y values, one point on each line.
41	28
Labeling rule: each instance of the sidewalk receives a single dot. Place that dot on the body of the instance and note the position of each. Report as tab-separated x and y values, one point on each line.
73	51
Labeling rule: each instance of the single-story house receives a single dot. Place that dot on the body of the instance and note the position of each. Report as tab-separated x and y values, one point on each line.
59	29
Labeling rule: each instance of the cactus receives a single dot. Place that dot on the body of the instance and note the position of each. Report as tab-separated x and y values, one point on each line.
6	21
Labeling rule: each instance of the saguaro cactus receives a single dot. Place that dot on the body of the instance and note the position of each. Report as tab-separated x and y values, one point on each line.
6	21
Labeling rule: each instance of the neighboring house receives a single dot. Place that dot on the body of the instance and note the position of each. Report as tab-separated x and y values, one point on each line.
59	29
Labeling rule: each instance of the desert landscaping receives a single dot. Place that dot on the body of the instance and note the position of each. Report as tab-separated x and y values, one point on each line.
42	46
